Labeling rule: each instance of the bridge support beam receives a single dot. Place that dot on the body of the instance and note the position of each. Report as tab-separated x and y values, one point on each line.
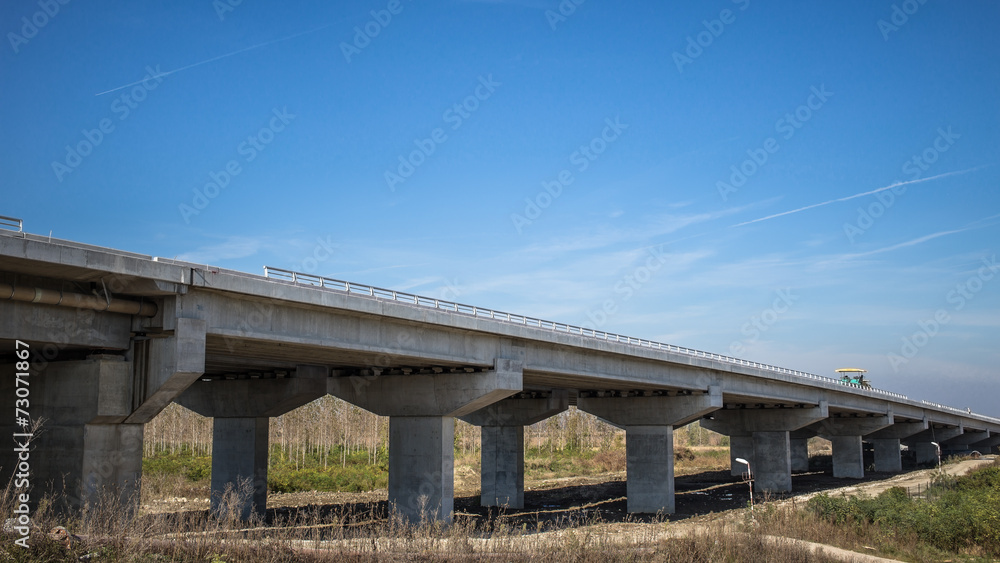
845	435
421	430
886	443
502	432
649	445
772	462
241	411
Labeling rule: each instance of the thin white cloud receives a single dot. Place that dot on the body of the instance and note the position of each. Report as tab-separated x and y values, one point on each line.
232	248
213	59
855	196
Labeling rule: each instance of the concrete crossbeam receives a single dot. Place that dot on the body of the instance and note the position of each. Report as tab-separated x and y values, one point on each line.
965	439
502	432
898	430
252	398
518	411
653	411
442	394
938	435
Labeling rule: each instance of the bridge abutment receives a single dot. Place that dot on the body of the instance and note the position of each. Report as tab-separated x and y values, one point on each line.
81	453
649	427
502	432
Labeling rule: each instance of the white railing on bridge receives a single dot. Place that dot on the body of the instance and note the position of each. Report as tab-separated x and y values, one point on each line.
279	274
8	223
966	412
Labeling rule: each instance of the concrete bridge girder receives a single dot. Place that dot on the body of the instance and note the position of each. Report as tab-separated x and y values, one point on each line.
82	449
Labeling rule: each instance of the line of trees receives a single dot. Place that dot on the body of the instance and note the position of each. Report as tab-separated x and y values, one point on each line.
331	430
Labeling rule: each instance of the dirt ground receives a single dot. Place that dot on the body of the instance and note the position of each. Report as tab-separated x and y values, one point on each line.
556	503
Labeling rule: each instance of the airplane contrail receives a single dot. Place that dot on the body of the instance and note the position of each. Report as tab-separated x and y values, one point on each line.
213	59
889	187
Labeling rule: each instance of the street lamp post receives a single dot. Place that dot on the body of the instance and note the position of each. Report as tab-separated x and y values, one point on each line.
938	448
749	478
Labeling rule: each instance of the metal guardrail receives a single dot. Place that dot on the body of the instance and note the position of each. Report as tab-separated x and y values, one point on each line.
939	406
8	223
352	288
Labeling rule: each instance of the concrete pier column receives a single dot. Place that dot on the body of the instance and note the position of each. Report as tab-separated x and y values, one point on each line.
649	428
845	435
422	466
926	452
241	410
887	455
771	463
502	473
887	441
239	461
800	454
420	408
740	447
649	460
798	441
847	457
772	466
502	431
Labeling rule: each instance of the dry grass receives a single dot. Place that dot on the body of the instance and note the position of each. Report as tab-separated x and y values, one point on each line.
106	532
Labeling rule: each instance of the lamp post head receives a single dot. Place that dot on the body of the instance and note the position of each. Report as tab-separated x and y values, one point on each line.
743	461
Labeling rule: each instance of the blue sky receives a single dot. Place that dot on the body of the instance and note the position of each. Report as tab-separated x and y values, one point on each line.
599	163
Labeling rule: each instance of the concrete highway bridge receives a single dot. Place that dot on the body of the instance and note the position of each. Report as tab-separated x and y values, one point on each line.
116	336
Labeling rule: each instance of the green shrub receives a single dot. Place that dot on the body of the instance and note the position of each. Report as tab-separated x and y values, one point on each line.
959	513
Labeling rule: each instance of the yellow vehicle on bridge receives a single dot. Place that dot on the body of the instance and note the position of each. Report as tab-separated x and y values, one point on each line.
854	376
